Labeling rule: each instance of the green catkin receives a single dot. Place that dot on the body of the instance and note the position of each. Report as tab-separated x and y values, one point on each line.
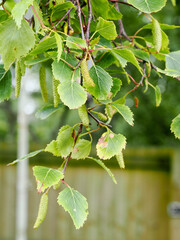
42	210
18	76
55	84
88	82
157	35
120	160
83	115
101	116
22	66
42	79
109	111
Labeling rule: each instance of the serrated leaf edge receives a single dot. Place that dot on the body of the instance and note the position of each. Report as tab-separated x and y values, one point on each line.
66	210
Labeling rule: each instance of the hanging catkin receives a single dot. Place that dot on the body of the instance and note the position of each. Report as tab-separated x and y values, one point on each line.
55	84
120	160
157	35
83	115
42	210
18	76
87	80
42	79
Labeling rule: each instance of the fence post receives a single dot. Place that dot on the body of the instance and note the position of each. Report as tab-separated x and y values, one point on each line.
175	194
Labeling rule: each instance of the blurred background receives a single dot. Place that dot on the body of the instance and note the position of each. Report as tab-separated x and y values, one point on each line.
145	202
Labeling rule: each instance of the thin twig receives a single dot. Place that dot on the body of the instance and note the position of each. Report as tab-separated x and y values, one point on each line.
80	21
122	31
78	133
144	74
100	123
67	185
75	140
132	79
117	1
84	16
80	60
89	19
54	27
69	24
5	10
42	24
121	27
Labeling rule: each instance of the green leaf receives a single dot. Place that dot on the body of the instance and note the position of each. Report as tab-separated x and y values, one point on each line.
100	7
46	177
3	16
173	2
103	83
73	42
62	71
129	56
36	61
117	83
81	149
165	40
19	10
105	43
148	6
9	5
2	71
172	64
29	155
65	141
52	148
94	42
59	10
106	59
47	111
163	26
20	41
158	96
121	60
110	144
75	204
157	35
72	94
141	54
43	46
5	86
125	112
107	29
113	14
105	168
175	126
59	45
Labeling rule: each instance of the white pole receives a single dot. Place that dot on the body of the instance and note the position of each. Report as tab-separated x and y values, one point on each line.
22	167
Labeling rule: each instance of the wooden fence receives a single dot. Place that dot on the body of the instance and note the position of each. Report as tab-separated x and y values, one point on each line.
134	209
